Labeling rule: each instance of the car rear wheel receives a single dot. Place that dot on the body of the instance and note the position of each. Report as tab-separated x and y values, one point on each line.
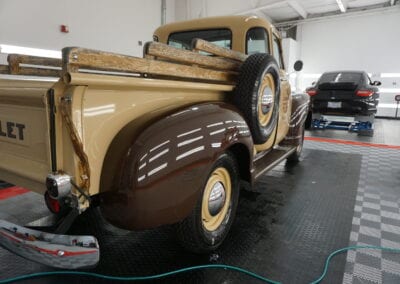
209	223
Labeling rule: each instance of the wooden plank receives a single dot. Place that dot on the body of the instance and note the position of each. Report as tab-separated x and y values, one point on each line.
4	69
148	56
13	63
35	60
15	68
189	57
98	60
202	45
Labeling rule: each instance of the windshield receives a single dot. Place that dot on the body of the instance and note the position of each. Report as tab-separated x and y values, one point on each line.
183	40
340	77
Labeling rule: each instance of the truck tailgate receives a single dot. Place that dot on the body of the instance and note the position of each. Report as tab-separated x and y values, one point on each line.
24	139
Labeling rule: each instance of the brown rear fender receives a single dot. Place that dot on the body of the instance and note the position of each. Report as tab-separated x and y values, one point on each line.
300	106
166	167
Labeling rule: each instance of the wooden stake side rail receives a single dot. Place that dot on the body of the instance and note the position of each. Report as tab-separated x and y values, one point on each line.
4	69
160	61
30	71
202	45
33	60
160	50
16	60
76	58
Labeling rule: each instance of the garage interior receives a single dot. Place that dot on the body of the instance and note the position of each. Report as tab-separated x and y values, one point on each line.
344	192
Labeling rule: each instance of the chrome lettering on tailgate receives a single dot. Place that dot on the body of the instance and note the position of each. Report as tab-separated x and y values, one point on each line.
12	130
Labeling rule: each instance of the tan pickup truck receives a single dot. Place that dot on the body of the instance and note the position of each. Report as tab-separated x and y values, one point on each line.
164	139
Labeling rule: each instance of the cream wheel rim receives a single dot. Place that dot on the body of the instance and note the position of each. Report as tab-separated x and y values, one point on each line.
266	99
219	189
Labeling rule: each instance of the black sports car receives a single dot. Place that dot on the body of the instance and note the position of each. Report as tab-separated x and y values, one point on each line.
346	93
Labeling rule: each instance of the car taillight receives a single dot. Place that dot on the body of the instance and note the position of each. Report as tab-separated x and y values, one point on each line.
312	92
364	93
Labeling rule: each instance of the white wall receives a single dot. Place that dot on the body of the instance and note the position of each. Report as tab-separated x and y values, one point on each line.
171	8
100	24
291	54
181	7
369	42
364	42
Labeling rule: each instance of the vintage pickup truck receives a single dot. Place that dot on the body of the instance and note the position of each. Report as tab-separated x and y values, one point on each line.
164	139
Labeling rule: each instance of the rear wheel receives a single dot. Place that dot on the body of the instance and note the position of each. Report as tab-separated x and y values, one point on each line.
308	121
295	157
207	226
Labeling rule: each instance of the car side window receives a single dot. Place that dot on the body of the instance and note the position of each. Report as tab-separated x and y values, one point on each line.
257	41
278	51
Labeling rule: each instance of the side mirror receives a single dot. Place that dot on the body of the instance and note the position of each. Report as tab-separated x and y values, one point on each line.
298	65
376	83
313	83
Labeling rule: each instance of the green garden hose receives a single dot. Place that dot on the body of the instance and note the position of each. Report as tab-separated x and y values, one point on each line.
192	268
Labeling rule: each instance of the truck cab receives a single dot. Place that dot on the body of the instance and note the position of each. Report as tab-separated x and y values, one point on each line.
245	34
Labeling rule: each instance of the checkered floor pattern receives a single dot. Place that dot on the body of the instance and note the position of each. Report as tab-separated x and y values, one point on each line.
376	220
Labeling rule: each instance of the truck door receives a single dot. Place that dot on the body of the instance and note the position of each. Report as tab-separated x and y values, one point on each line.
285	98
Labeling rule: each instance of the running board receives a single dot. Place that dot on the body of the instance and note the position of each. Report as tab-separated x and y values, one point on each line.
60	251
272	159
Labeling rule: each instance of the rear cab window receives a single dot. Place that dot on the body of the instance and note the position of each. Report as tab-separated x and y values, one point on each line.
183	40
340	77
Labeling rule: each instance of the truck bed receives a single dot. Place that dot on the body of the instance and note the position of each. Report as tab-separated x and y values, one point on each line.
102	92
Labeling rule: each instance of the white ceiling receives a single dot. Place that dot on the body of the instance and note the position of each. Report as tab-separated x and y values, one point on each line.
281	11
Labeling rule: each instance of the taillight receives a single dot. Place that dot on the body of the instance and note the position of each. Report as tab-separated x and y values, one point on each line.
312	92
364	93
52	203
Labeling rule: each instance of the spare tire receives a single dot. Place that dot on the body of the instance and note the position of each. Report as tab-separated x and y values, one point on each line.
257	95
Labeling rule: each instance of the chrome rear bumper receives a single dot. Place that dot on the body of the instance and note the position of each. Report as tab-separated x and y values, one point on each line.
60	251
